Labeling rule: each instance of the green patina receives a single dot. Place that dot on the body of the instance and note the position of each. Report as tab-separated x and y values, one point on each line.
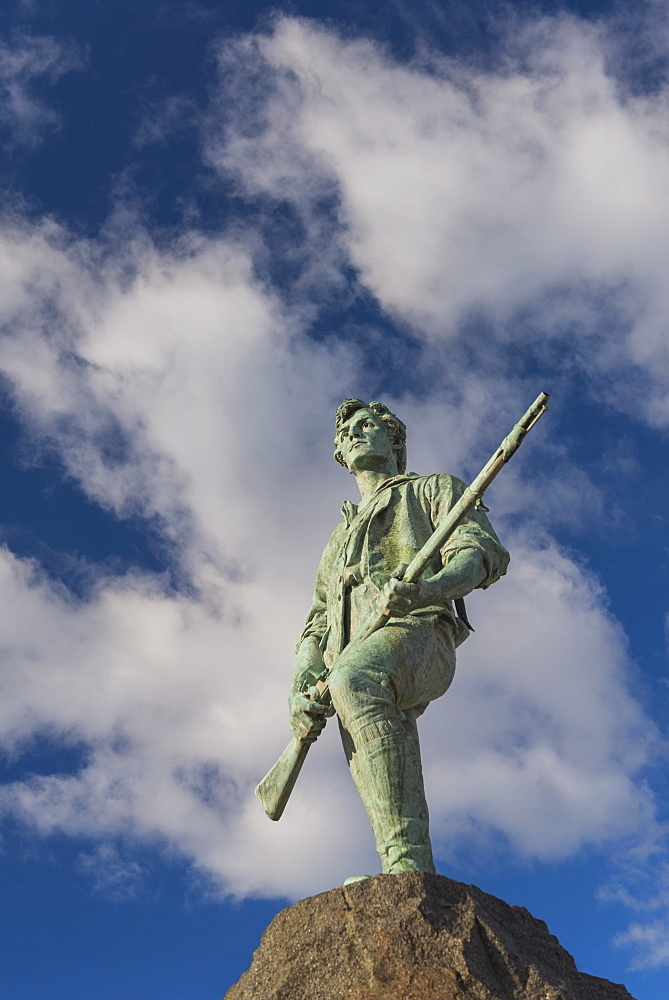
379	687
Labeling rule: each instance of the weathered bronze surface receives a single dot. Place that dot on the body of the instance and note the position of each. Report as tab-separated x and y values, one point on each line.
385	563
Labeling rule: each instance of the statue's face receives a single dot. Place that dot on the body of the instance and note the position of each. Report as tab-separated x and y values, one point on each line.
364	442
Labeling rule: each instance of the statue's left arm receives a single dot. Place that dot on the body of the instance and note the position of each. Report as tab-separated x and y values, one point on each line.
472	557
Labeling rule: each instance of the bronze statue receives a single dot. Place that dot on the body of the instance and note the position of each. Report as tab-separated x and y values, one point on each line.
412	547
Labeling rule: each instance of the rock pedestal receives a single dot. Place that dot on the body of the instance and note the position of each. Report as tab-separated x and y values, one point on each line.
413	937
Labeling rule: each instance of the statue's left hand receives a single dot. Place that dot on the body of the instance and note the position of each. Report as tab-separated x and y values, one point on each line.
464	571
400	598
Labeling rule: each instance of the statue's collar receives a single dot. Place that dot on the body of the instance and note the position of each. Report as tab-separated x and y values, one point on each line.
350	510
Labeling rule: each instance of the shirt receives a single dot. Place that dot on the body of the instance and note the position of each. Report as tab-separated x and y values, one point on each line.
390	528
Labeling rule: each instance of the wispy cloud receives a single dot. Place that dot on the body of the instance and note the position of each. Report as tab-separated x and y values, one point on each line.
650	944
112	876
25	61
162	119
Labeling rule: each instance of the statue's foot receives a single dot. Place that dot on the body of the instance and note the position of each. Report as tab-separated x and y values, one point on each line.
355	878
414	858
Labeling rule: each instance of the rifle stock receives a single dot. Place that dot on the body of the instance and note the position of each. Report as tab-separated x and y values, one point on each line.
275	788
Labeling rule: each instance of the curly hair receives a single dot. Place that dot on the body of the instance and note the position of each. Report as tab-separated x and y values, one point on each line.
397	431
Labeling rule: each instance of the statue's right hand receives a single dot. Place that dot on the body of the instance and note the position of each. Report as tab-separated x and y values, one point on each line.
307	717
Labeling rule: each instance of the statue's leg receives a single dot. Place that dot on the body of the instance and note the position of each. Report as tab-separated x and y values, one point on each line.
386	768
372	690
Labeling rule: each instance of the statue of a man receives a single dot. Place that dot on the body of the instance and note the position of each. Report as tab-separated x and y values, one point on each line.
382	685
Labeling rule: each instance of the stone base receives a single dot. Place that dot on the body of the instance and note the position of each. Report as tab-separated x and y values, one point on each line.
413	937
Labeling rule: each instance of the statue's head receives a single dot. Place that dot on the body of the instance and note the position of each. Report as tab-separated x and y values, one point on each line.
393	426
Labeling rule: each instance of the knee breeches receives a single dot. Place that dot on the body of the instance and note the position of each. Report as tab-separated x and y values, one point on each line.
408	663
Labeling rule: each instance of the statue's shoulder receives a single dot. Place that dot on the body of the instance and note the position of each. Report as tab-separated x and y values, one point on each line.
339	530
439	482
333	544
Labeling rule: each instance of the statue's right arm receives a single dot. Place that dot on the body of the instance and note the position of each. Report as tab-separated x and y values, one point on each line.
307	717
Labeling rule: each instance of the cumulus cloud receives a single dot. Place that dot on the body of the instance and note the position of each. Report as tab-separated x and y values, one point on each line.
191	372
523	193
219	411
24	60
540	735
178	387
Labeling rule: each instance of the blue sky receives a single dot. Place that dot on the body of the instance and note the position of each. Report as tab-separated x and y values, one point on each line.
217	222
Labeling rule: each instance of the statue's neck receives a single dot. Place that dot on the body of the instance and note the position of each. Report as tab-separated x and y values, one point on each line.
369	480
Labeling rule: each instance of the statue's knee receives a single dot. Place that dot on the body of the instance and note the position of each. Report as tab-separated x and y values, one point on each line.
349	692
340	683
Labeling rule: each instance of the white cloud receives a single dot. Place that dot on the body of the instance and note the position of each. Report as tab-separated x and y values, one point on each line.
160	120
539	735
111	875
222	408
27	58
196	369
643	886
176	387
649	941
523	192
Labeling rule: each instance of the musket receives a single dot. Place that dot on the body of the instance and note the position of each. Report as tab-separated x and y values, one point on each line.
275	788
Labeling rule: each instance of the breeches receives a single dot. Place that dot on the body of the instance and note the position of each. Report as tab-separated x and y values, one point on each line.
403	666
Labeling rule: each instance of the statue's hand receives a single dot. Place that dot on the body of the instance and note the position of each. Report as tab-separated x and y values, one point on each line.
400	598
463	572
307	717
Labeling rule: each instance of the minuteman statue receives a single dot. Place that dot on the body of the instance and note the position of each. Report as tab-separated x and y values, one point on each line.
383	684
